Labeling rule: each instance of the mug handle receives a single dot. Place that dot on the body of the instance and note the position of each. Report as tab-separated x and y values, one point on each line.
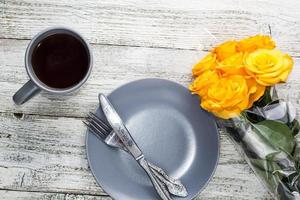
26	92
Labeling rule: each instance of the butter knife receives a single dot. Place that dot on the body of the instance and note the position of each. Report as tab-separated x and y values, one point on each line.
122	132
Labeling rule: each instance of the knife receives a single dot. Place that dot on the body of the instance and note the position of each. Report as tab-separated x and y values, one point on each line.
122	132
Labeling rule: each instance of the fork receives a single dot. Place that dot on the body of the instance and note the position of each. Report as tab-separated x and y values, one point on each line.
105	132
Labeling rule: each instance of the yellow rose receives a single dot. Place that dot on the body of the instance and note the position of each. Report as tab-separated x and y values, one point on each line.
233	65
255	91
203	82
235	74
228	97
268	67
225	50
208	62
255	42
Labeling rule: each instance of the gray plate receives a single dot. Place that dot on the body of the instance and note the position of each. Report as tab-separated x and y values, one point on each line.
171	129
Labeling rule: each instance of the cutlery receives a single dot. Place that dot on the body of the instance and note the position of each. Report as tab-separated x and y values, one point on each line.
119	128
109	134
106	134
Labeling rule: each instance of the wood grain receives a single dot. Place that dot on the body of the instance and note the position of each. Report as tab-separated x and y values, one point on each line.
42	142
47	154
113	66
159	23
37	152
21	195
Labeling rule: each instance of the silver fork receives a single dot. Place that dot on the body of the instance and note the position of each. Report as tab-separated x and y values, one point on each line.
106	134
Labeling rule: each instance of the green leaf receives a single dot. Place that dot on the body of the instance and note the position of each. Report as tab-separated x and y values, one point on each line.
295	127
276	133
264	169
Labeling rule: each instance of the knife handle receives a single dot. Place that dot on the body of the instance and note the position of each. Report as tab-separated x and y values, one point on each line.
161	191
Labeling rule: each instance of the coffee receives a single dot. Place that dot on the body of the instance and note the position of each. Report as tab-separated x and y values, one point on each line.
60	60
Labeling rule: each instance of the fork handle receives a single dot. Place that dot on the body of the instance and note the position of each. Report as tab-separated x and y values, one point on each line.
161	191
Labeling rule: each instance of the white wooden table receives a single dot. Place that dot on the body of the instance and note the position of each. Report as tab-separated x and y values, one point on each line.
42	148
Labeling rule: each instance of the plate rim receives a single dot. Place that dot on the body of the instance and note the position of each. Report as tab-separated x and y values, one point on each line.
173	82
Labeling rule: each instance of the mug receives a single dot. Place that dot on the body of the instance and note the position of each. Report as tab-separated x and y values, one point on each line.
65	47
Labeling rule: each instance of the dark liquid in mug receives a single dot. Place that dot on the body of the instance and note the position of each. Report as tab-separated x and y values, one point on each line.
60	61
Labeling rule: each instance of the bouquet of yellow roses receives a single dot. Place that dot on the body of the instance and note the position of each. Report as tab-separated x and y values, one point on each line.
236	82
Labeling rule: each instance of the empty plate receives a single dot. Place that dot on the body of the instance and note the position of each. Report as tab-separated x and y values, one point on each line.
174	133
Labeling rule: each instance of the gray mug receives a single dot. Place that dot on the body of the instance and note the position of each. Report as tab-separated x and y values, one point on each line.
35	85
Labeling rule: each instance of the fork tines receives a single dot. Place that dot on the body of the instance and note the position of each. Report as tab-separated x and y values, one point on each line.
97	126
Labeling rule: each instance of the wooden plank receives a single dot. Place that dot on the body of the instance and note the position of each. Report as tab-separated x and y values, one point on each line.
21	195
226	185
47	154
113	66
167	24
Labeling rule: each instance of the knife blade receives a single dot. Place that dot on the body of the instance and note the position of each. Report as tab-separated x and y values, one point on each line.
119	128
